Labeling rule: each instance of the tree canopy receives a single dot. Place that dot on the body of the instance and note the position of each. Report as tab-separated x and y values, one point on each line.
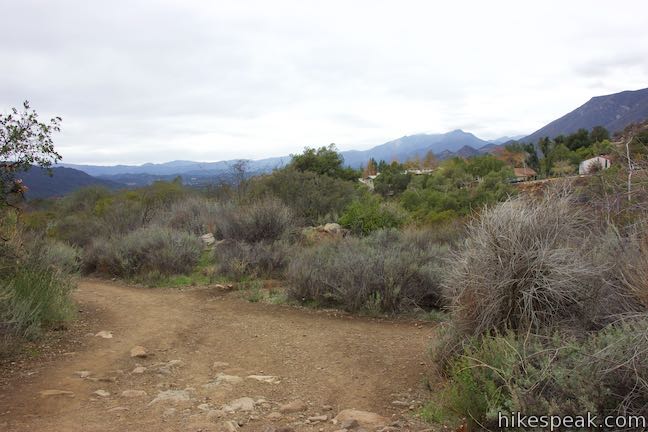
325	161
24	142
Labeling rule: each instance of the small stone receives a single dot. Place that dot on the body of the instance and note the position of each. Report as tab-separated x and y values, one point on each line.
138	351
219	365
169	412
318	418
204	407
118	408
101	393
133	393
171	396
139	370
241	404
273	416
47	393
327	408
350	424
208	239
82	374
104	334
105	379
265	378
293	407
222	379
228	426
400	403
363	418
214	415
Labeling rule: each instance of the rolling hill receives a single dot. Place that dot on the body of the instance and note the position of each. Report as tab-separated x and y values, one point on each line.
63	181
614	112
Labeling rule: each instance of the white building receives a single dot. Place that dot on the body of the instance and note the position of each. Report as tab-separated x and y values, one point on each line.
590	165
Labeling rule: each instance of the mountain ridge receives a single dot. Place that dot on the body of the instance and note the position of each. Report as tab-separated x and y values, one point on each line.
401	149
614	112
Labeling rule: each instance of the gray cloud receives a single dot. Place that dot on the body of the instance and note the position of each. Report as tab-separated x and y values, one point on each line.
139	81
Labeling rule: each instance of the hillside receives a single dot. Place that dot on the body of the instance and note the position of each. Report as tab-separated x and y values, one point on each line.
63	181
614	112
407	147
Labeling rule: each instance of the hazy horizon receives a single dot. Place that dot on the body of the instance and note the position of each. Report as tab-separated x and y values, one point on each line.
139	81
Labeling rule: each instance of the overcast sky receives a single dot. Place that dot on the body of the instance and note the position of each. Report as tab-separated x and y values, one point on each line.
153	81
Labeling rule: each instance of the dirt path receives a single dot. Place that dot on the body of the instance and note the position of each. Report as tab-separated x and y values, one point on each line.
328	360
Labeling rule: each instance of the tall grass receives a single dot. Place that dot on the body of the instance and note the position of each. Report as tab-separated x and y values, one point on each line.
34	297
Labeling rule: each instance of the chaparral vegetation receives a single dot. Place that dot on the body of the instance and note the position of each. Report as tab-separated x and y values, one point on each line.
542	287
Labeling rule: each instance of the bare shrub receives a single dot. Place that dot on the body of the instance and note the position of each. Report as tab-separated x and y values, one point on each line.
631	266
263	220
387	271
103	256
526	266
194	215
239	259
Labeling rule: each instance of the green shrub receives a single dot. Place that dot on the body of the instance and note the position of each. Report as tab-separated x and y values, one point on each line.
618	359
79	230
313	198
60	256
605	373
263	220
368	215
150	249
388	271
510	373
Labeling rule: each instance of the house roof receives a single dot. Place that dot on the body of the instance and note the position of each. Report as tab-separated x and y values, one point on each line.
524	172
598	157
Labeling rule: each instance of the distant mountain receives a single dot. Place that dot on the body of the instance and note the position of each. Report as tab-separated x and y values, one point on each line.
63	181
179	167
505	139
614	112
442	145
467	152
415	145
492	147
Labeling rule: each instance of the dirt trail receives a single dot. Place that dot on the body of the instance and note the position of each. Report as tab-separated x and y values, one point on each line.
328	360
